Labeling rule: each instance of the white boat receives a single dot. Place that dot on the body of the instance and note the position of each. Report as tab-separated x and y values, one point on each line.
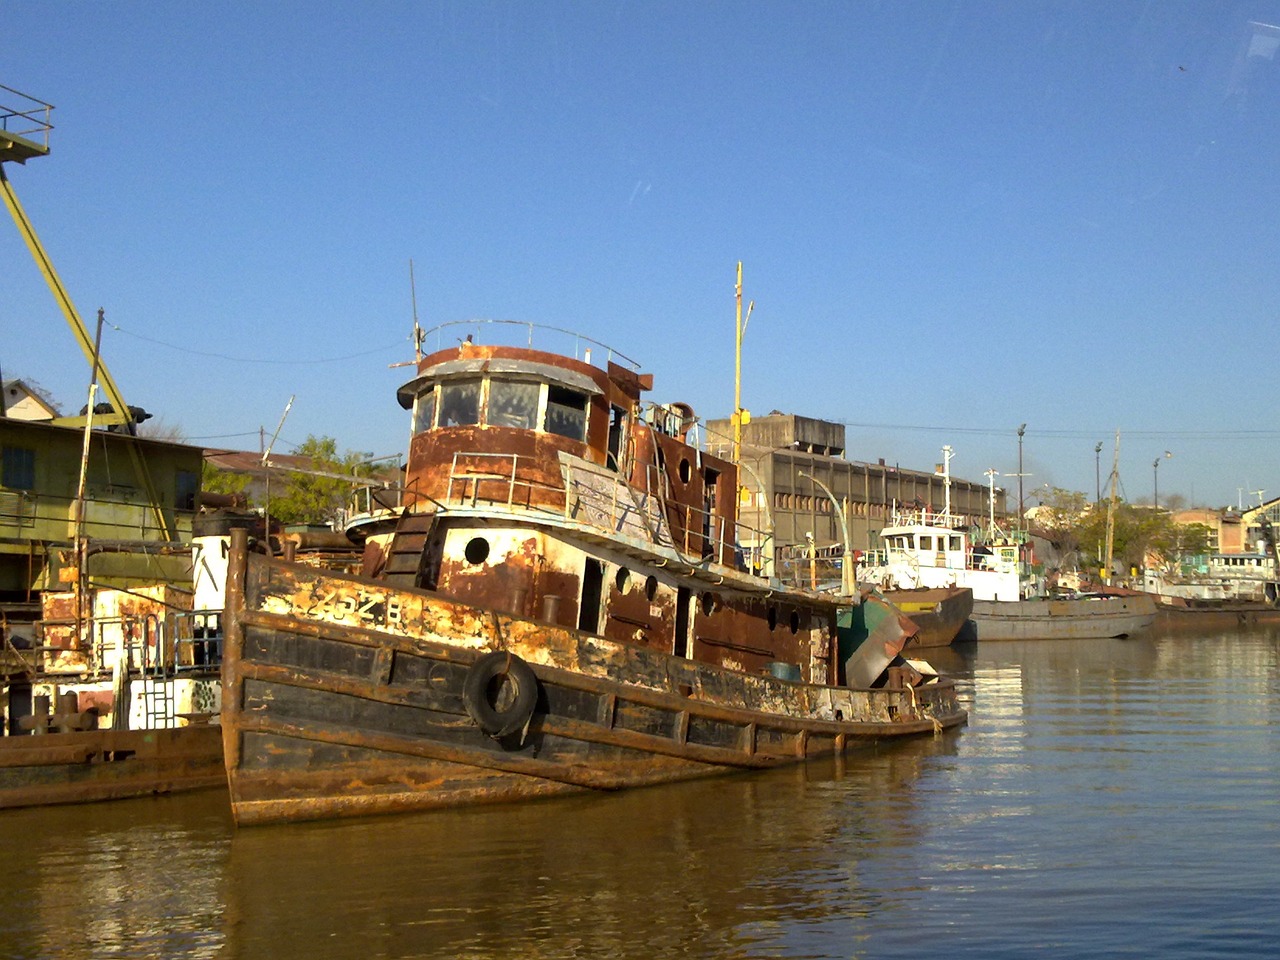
923	548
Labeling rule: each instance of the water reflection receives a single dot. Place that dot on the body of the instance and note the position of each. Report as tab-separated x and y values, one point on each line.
138	878
1109	797
711	866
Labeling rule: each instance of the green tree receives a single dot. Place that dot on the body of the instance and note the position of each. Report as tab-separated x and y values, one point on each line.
320	494
214	480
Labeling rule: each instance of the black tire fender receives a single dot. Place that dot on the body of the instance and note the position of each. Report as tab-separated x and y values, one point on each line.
500	709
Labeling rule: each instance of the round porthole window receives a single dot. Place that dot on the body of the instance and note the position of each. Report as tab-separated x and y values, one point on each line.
651	588
773	618
622	579
686	470
477	550
795	621
708	604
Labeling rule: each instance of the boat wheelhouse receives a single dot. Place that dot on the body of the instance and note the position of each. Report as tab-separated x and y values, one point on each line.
927	549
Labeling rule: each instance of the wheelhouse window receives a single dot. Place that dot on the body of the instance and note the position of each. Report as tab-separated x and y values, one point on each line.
513	403
566	413
424	414
495	402
459	403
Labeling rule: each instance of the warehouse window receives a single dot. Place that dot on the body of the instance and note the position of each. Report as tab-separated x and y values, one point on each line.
18	468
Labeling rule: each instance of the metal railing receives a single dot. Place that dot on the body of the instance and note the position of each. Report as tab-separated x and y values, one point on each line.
581	345
24	116
500	480
118	518
159	645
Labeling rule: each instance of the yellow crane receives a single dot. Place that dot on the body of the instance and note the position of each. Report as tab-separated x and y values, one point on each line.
24	134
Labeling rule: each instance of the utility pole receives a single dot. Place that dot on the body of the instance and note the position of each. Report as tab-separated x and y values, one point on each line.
1155	479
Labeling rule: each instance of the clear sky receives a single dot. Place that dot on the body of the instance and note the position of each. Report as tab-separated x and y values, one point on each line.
954	217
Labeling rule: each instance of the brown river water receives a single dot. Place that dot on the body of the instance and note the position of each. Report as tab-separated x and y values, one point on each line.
1109	798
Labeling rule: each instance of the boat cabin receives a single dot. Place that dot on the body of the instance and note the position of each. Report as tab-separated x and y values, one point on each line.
542	484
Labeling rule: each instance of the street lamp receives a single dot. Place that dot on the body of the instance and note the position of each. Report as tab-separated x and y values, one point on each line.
766	540
1097	473
1155	479
848	575
1021	508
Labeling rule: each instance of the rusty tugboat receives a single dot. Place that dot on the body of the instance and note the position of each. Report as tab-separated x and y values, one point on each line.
557	604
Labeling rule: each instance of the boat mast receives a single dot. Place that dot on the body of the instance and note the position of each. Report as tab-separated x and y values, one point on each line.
740	416
1111	511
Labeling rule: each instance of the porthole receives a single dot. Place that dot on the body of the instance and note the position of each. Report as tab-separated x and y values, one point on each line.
773	618
686	470
708	604
477	550
795	621
622	579
651	588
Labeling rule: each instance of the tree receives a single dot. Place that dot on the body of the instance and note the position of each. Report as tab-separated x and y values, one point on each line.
214	480
158	428
315	494
318	495
1058	520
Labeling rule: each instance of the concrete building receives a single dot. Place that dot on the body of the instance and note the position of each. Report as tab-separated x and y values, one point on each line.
782	505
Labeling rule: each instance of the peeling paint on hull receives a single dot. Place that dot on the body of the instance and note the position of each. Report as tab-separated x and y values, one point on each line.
345	696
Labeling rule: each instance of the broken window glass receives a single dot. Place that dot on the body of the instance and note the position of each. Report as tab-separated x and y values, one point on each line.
460	403
513	404
424	415
566	413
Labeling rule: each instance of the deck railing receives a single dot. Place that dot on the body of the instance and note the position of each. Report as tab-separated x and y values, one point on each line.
504	332
479	478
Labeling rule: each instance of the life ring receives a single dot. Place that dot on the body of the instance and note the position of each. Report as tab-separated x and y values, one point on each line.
500	708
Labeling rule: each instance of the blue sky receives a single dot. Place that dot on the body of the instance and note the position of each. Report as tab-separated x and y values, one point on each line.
954	217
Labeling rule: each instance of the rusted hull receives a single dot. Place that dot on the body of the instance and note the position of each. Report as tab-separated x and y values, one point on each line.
1074	619
95	765
1182	614
940	613
345	696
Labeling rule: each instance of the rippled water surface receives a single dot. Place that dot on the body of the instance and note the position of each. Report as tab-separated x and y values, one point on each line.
1108	799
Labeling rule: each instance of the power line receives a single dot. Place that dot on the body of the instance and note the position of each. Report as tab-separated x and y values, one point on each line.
1062	434
223	356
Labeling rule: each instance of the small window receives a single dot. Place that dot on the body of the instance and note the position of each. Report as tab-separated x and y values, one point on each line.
186	488
460	403
18	468
566	413
955	543
512	404
424	414
476	550
926	542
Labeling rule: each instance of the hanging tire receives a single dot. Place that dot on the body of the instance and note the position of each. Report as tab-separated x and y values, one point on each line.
500	692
